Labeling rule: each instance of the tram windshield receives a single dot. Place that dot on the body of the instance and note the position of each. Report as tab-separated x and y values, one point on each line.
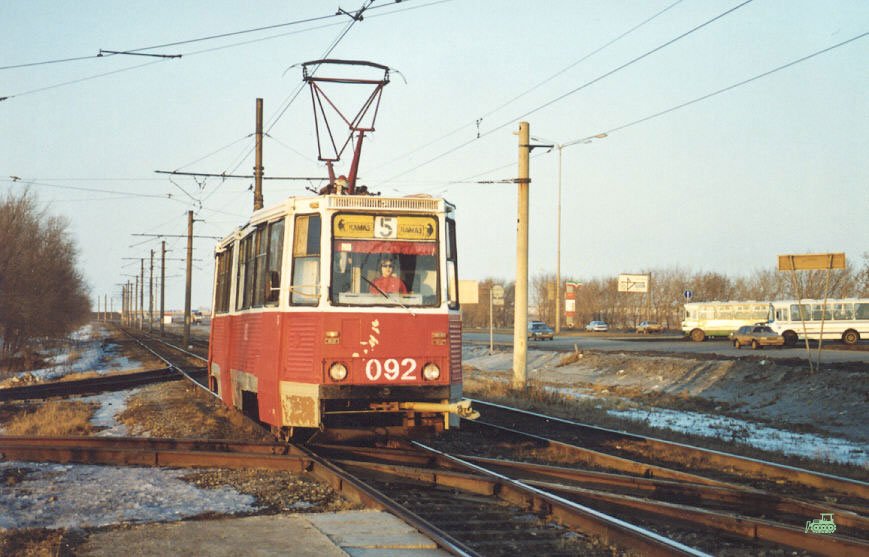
384	260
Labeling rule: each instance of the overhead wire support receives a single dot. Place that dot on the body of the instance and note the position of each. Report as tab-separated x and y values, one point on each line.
244	176
131	53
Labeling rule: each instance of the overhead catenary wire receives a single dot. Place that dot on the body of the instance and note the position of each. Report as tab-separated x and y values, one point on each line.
576	89
174	43
539	84
685	104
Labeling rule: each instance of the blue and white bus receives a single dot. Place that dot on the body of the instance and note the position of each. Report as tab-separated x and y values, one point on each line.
845	319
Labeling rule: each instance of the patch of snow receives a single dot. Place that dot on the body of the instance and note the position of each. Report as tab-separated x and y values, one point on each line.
110	404
93	355
68	496
762	437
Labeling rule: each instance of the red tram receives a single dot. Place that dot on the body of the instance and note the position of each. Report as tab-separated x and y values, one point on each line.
333	311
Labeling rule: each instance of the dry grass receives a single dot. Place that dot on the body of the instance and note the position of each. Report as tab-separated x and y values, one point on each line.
55	418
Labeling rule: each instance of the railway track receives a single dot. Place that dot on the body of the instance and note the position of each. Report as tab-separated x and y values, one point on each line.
605	496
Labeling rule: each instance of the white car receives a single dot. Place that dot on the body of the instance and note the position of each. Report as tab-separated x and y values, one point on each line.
597	327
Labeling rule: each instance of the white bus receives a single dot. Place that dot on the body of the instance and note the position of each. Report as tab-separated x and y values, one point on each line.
715	319
846	319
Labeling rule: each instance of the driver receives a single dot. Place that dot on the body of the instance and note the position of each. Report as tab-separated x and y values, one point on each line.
387	282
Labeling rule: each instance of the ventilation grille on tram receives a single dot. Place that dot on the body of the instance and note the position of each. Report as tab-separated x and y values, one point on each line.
371	202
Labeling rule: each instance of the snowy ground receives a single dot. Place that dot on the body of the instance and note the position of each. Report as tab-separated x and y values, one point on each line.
592	377
65	496
91	355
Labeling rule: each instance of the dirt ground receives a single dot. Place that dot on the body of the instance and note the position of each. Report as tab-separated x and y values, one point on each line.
778	393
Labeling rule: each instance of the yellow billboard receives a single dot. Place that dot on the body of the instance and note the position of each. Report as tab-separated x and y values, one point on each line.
811	262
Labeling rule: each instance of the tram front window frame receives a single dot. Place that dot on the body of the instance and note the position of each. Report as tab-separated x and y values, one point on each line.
364	245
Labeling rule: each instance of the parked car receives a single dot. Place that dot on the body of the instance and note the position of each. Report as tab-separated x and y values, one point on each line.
538	330
757	336
647	327
597	327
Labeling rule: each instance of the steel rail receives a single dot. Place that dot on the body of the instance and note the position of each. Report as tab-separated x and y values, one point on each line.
143	452
90	385
572	514
751	467
748	528
751	529
604	460
151	443
355	489
167	362
729	497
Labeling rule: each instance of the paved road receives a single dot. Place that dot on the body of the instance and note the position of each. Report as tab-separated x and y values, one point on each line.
832	351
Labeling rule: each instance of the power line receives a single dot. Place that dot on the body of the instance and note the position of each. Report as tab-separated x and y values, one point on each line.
76	188
738	84
540	84
693	101
175	43
577	89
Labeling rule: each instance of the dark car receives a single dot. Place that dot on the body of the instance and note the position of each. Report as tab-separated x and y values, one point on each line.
647	327
757	336
537	330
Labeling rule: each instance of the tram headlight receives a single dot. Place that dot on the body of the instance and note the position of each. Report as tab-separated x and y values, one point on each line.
338	371
431	371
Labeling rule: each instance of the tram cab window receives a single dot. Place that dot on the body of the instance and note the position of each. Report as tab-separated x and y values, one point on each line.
305	289
384	260
452	265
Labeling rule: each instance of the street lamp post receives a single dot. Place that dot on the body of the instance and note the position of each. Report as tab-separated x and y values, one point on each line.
560	147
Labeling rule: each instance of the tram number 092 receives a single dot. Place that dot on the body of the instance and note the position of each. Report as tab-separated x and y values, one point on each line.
391	369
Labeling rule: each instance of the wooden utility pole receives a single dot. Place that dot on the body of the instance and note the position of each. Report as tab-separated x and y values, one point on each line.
520	309
186	339
258	169
162	285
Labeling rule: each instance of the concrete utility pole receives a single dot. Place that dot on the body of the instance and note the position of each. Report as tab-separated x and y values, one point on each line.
186	339
136	303
162	285
558	250
258	169
151	294
520	309
142	294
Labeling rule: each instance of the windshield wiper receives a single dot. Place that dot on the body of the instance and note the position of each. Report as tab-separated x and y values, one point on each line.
385	295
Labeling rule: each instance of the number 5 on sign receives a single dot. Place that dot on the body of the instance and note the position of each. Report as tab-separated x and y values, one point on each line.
385	227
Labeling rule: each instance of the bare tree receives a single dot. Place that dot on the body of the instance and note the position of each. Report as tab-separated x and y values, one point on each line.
41	292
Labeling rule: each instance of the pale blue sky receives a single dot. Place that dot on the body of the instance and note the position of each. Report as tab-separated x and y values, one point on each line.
777	165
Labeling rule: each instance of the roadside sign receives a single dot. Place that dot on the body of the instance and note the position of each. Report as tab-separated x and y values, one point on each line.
688	294
633	283
497	295
811	261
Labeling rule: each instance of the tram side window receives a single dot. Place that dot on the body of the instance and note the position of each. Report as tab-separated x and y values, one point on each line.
273	265
241	273
452	265
305	289
257	297
224	278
